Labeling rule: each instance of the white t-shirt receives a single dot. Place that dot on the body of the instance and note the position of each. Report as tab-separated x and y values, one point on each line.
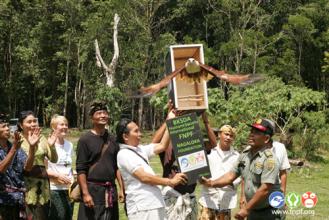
139	196
63	164
220	162
279	150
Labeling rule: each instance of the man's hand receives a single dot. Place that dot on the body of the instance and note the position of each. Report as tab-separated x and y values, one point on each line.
170	105
243	202
242	214
179	178
88	200
206	182
121	196
171	115
17	140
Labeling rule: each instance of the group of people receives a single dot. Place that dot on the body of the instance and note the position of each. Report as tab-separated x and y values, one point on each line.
36	172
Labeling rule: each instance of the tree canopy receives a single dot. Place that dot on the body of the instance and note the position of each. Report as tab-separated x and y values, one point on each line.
48	56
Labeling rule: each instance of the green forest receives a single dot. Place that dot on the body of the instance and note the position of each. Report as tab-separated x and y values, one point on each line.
49	64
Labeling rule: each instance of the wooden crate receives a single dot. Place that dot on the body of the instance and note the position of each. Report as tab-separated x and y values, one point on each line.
186	95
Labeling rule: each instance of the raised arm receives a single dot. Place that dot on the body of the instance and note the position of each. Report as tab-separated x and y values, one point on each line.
162	146
210	132
11	154
159	133
51	150
33	140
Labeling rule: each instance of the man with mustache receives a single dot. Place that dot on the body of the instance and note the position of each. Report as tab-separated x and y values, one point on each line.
259	168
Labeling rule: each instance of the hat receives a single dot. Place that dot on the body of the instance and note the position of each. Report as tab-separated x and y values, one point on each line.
265	125
97	106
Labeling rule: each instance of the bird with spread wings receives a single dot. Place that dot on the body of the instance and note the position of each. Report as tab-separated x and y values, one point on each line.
194	71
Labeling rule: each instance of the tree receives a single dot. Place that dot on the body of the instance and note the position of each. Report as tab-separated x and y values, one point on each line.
272	99
109	71
300	29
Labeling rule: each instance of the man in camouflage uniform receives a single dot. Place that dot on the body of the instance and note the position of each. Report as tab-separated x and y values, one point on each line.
259	169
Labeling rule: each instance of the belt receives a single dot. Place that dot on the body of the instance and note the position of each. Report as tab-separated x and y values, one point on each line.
108	192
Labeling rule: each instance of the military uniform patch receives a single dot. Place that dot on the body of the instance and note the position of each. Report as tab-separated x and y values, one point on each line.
268	153
258	165
269	164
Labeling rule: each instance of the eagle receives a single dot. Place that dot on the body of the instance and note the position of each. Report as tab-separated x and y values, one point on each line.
194	71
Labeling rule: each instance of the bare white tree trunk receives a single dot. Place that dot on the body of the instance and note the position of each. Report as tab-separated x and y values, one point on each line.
140	112
67	78
109	71
79	91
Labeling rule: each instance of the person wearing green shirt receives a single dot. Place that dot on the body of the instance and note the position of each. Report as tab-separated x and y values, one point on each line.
36	179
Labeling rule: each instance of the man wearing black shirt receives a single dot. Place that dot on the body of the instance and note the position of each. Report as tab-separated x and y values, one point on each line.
97	169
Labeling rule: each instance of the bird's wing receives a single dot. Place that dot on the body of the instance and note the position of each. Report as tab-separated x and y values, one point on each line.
237	79
150	90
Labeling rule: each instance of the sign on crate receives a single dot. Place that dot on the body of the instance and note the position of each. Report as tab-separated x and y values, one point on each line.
188	145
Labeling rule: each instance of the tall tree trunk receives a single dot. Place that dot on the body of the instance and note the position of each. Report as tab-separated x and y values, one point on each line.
140	112
109	71
79	94
67	77
78	100
255	59
7	58
300	48
133	109
83	108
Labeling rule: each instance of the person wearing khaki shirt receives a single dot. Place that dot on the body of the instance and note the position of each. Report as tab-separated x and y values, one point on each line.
259	168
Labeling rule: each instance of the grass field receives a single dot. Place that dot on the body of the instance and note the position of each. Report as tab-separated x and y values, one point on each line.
300	180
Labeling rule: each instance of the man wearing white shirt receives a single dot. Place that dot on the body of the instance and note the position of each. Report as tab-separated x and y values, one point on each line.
216	203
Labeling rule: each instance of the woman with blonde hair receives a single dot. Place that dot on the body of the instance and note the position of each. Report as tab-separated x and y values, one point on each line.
60	173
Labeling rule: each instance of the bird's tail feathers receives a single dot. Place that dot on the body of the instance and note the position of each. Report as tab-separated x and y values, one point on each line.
252	78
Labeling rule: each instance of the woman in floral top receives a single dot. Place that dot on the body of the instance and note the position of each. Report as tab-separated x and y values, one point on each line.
36	179
13	162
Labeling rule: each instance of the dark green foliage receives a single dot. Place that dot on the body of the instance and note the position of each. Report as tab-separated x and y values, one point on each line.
48	58
114	100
